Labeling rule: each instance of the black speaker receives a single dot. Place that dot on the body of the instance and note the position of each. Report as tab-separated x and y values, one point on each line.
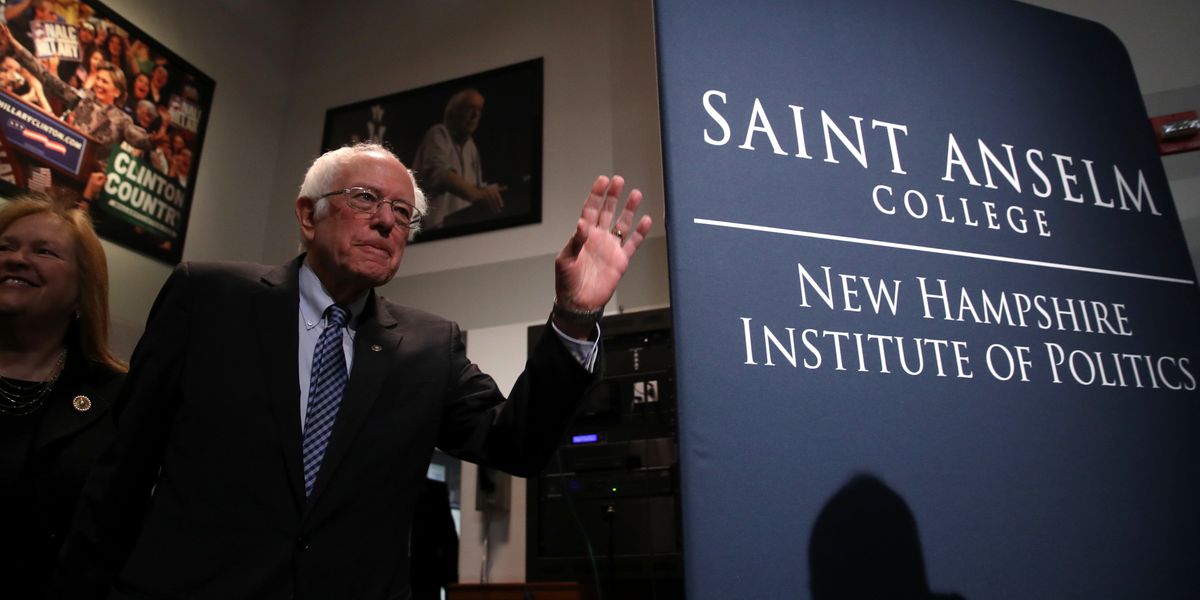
607	507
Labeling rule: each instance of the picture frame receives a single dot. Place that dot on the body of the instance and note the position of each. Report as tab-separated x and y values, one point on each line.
126	150
426	128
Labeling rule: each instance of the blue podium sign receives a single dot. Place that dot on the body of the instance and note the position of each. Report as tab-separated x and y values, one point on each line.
40	135
936	325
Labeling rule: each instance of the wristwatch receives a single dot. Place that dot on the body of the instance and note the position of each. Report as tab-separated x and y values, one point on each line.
571	316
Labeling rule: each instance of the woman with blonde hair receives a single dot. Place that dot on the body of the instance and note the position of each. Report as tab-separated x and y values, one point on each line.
58	379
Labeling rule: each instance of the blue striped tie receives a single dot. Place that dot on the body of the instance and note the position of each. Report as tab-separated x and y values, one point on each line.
328	381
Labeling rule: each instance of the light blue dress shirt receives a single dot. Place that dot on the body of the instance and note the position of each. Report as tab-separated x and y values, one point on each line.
314	300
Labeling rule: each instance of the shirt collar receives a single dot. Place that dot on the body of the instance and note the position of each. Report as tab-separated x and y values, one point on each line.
314	300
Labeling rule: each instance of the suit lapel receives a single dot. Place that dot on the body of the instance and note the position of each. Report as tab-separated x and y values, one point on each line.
275	313
376	345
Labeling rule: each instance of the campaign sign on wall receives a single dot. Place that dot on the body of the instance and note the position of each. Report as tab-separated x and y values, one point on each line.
94	109
937	329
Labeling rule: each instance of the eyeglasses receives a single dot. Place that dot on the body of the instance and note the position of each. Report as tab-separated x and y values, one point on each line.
367	200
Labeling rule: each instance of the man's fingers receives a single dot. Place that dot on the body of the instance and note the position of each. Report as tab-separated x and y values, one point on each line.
611	198
638	235
624	223
496	201
594	201
600	211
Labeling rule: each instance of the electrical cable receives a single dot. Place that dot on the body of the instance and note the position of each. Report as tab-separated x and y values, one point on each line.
483	558
566	488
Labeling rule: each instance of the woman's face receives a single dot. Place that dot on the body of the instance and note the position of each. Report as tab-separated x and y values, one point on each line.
183	163
141	86
114	45
10	73
160	76
104	88
10	65
94	60
39	272
44	12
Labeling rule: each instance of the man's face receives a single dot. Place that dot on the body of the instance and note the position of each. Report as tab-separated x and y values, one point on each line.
145	115
351	251
464	119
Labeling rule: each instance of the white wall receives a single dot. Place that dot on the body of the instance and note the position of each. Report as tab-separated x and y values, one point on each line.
500	352
390	47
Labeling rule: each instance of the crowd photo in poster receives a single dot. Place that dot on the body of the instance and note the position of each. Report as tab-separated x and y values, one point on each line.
474	143
94	109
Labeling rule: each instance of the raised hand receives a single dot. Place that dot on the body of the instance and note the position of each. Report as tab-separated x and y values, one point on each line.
591	264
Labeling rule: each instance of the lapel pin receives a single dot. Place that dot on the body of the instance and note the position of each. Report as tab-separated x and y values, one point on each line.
376	347
82	403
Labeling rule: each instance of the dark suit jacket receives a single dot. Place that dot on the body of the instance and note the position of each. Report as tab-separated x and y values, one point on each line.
44	461
210	419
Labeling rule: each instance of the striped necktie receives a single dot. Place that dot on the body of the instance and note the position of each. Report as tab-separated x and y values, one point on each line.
325	389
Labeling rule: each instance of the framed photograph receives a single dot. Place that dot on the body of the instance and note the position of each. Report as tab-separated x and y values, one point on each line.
94	109
475	144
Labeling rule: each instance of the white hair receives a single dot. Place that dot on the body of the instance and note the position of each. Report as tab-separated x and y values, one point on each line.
326	168
457	101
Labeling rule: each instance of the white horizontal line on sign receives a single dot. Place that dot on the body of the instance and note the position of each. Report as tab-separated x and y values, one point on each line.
931	250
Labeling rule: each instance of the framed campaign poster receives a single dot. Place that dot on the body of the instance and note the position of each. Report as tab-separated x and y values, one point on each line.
93	108
481	169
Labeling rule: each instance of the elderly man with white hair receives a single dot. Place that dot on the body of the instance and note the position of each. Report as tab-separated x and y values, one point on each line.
277	421
448	162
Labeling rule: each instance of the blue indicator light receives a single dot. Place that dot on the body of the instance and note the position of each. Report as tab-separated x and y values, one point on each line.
587	438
